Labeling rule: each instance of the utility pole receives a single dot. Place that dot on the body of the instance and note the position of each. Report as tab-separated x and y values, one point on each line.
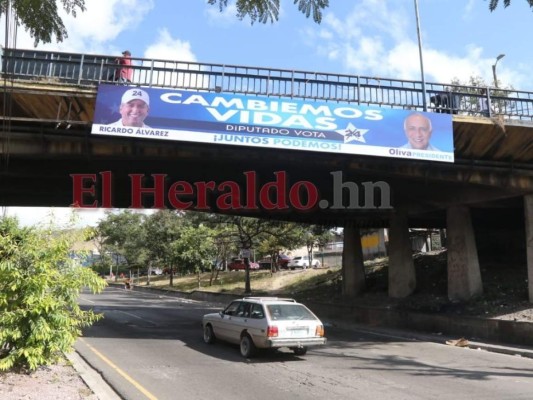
424	101
494	69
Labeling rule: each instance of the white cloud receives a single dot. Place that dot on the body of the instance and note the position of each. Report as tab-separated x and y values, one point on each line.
225	17
105	19
168	48
378	38
469	7
362	39
177	55
92	30
368	55
403	61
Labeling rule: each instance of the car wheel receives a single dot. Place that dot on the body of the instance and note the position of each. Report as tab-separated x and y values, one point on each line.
209	335
304	266
247	346
300	351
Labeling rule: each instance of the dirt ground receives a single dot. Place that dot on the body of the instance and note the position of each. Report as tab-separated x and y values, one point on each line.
505	290
505	297
55	382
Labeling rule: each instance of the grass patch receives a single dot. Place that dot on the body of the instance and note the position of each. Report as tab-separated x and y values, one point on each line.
505	286
262	282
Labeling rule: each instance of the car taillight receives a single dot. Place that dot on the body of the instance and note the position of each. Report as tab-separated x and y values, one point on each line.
272	331
319	330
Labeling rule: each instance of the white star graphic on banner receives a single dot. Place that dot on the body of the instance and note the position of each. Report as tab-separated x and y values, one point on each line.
351	133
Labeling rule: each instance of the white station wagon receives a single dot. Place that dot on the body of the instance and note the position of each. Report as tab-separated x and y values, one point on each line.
265	323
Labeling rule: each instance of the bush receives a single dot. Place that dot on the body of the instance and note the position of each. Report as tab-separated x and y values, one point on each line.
39	288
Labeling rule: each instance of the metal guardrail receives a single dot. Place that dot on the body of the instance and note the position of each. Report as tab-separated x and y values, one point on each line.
90	70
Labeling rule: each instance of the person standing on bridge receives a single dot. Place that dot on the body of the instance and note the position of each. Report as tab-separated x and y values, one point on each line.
483	103
124	74
418	130
134	108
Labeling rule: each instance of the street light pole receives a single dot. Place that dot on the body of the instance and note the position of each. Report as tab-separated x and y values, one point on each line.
424	102
116	261
116	258
494	69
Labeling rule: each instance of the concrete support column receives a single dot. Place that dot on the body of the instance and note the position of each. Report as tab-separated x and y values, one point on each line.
528	211
353	269
402	275
464	275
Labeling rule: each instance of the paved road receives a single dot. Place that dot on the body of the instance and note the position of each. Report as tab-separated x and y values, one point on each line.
150	347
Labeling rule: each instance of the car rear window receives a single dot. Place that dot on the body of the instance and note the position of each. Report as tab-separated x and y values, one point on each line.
287	312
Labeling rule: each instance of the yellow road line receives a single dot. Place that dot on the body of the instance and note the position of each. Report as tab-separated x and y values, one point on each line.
120	372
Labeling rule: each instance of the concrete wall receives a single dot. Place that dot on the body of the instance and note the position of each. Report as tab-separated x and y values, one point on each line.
493	330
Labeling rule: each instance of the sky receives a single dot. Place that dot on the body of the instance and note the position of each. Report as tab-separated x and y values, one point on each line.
375	38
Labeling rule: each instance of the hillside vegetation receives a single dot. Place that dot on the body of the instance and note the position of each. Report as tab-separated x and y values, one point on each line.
263	282
505	287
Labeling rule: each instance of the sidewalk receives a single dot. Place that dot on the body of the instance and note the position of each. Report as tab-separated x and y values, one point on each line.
521	351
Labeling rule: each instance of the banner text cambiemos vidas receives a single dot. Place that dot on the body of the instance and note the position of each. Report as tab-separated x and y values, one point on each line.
206	117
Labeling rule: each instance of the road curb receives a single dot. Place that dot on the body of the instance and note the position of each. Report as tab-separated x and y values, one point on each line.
92	379
513	334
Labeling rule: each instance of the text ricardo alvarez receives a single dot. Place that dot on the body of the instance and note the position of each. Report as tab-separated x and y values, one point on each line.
133	131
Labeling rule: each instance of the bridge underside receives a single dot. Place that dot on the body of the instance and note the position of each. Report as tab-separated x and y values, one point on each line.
47	138
39	158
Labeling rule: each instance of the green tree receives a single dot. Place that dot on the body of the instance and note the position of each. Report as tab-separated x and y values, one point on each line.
39	286
248	233
41	18
162	229
104	264
268	10
225	241
124	234
493	4
316	236
471	91
290	235
195	249
224	246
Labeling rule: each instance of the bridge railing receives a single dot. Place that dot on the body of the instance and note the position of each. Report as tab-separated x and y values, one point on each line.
90	70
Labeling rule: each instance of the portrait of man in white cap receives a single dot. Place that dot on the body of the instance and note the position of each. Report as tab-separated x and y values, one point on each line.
134	108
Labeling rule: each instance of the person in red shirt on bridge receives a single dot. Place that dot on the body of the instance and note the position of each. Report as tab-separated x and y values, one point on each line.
124	73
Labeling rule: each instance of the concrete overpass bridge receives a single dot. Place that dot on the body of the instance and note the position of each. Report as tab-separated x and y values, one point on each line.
483	199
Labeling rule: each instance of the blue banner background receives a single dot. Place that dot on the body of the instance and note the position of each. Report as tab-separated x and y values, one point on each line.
386	132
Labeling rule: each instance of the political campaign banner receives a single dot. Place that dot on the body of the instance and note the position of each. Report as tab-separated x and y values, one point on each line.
272	122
